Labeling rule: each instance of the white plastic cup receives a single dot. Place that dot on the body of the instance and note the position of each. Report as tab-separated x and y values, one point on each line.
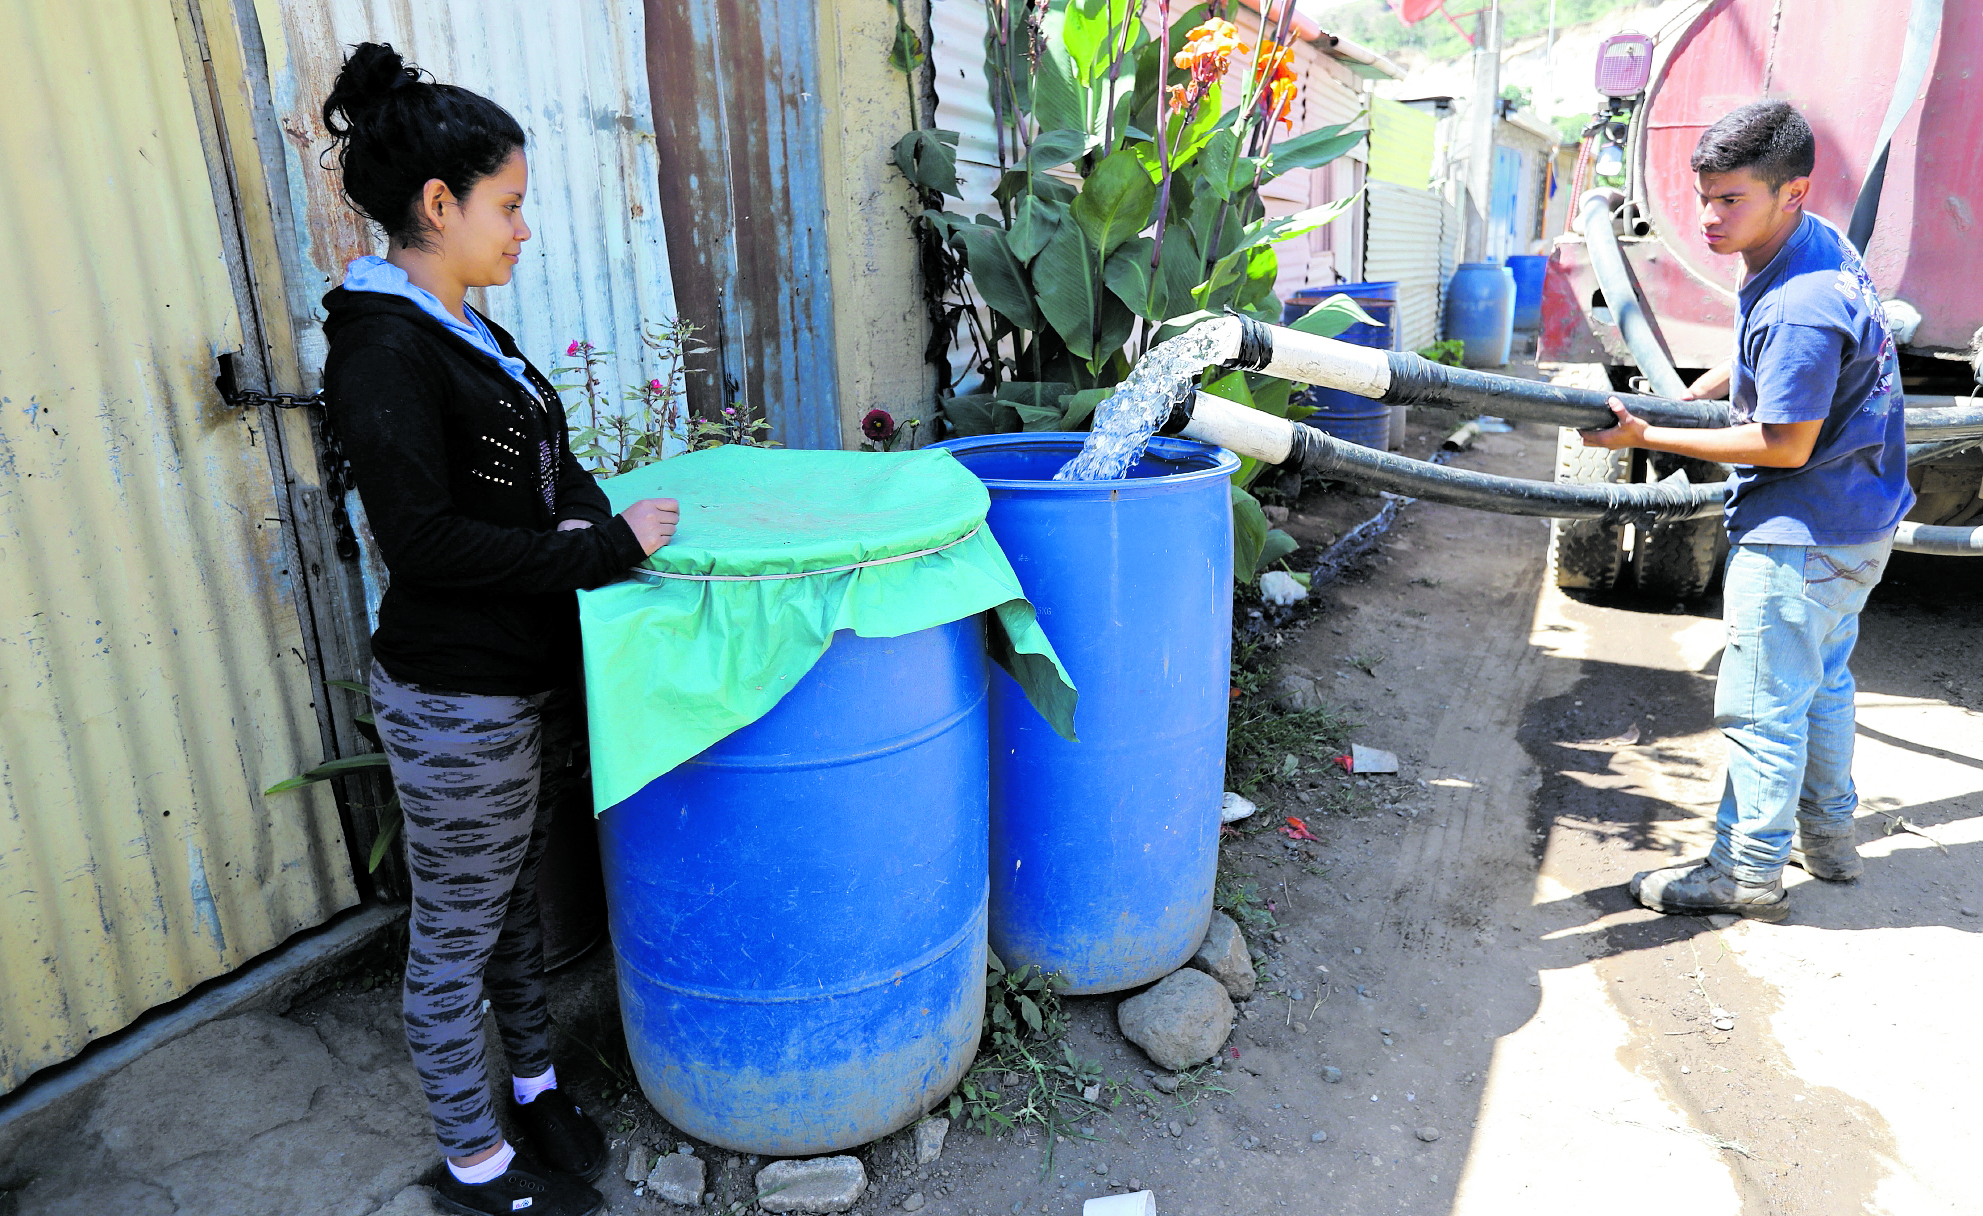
1137	1203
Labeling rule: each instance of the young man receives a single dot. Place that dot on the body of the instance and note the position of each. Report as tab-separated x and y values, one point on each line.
1818	441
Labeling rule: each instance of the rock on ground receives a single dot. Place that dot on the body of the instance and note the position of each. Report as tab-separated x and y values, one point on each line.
640	1159
929	1139
1297	690
823	1184
677	1178
1224	957
1181	1021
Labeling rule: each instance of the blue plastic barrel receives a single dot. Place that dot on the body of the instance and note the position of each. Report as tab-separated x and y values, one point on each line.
798	913
1527	269
1480	311
1103	852
1346	415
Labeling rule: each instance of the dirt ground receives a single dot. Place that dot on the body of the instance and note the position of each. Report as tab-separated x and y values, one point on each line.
1462	1011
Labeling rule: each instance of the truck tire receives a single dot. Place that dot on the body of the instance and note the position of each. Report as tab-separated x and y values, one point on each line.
1680	561
1587	554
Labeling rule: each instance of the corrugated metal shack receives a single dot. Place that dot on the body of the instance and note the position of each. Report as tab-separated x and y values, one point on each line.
170	583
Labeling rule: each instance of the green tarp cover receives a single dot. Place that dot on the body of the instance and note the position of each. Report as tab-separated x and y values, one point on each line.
674	664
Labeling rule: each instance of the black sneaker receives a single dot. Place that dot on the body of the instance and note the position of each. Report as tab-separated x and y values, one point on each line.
561	1135
523	1187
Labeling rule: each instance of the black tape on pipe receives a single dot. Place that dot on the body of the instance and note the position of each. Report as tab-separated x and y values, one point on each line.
1659	502
1420	381
1256	345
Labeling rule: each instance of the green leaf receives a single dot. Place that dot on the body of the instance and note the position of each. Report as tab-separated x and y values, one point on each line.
1256	288
1044	186
1031	1012
1089	31
1331	317
1314	148
1114	203
387	831
1038	403
1033	224
353	685
1269	393
1065	274
968	415
1080	407
1179	267
1278	545
1274	229
1051	148
1249	534
1114	323
1009	63
1127	273
343	766
929	159
1059	101
997	274
1187	139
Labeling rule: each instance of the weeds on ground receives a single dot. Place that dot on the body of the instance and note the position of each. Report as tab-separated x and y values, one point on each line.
1026	1074
1241	900
1367	661
1262	739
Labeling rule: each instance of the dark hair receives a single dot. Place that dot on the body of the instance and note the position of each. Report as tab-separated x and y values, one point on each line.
394	132
1769	138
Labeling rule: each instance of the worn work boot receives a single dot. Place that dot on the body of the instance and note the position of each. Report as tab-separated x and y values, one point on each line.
1832	858
1696	888
561	1135
524	1187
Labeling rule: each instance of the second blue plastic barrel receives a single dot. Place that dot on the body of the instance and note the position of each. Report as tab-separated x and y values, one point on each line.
1103	852
1480	311
1346	415
1527	269
798	914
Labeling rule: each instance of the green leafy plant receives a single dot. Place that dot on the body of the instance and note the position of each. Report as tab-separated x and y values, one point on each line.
1127	207
1261	736
650	422
346	766
1447	350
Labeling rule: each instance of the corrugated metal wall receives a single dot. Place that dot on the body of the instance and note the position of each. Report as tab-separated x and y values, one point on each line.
152	671
1405	232
574	74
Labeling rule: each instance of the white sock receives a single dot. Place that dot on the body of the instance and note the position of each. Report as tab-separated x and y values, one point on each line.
487	1171
527	1088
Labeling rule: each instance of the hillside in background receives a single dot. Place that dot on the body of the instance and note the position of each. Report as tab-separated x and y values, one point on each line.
1375	25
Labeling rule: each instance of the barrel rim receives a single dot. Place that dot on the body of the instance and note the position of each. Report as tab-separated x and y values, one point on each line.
1223	465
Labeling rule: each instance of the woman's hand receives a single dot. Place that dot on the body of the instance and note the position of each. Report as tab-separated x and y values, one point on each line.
1629	431
653	521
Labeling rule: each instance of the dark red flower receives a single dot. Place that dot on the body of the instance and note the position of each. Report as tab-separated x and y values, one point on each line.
878	426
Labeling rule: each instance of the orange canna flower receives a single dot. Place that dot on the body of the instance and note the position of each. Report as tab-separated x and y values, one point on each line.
1276	64
1207	55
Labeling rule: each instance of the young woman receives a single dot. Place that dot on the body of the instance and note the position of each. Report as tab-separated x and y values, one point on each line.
487	525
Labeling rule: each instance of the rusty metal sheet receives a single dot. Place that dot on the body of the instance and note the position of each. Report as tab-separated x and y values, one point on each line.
152	678
596	266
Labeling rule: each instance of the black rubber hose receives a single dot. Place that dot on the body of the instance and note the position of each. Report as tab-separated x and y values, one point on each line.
1658	502
1416	380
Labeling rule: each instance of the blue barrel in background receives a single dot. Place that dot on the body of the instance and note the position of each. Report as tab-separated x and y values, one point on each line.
1346	415
798	914
1527	269
1480	311
1103	852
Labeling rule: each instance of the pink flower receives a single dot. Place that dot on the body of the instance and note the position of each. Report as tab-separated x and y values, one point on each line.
654	386
574	349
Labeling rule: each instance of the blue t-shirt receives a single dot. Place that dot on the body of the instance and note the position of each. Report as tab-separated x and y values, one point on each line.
1811	342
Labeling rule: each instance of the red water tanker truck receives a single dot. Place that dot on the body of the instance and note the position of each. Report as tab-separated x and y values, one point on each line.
1894	95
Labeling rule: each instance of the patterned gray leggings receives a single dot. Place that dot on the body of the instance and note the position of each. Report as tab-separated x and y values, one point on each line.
471	771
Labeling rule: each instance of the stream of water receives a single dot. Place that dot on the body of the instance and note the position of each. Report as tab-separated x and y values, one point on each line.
1126	419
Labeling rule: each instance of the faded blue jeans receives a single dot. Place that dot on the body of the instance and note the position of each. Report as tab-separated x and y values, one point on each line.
1784	698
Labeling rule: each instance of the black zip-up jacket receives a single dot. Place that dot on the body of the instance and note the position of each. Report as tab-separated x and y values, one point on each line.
464	502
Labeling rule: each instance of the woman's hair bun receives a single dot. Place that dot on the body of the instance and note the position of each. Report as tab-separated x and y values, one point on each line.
393	132
368	77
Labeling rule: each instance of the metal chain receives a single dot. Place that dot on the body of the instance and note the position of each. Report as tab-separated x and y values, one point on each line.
330	458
